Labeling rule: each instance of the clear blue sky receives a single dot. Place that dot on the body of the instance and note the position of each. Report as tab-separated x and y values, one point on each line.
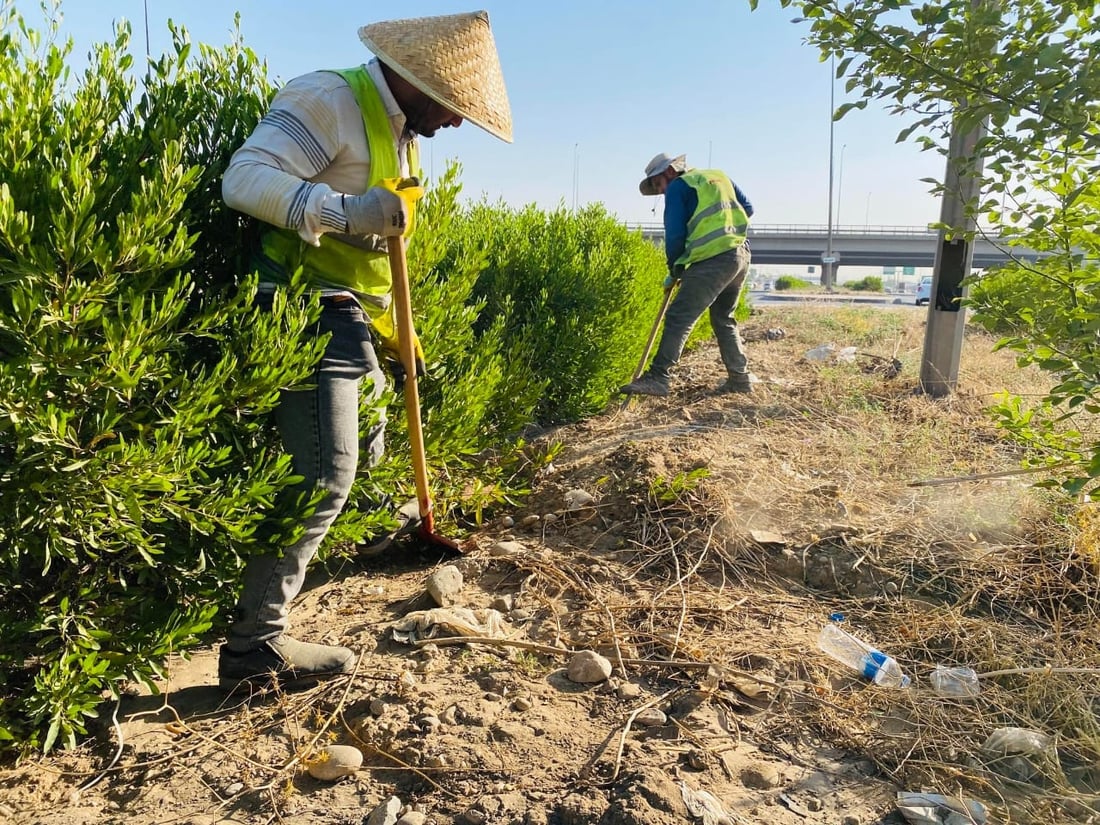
597	87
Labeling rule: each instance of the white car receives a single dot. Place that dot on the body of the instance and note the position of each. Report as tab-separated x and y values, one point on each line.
924	290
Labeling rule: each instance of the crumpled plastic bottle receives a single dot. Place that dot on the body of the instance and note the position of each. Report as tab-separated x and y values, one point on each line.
873	664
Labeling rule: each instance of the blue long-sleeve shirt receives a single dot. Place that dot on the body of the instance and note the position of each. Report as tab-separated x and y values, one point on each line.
681	201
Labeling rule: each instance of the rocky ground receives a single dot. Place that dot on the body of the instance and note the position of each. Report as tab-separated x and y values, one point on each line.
645	627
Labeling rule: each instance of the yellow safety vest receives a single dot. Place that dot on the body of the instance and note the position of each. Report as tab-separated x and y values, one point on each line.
719	224
337	263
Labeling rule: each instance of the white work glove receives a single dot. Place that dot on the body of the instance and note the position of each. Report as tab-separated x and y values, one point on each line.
378	211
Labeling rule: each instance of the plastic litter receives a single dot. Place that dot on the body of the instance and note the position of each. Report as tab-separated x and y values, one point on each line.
448	621
704	806
1004	741
936	809
846	356
859	656
821	353
955	682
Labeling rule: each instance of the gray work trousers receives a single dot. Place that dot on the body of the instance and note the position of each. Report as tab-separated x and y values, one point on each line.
320	429
715	284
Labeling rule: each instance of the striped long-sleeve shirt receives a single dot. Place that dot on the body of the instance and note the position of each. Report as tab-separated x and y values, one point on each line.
310	148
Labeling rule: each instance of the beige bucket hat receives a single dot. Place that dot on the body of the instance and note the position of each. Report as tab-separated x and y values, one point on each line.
658	165
453	60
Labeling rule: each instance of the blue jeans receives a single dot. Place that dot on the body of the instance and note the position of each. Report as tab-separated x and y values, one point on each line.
319	426
714	283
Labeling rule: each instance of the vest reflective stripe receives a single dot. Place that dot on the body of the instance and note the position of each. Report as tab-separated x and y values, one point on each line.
719	224
335	263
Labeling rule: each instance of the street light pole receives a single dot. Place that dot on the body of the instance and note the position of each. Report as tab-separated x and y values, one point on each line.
829	259
840	185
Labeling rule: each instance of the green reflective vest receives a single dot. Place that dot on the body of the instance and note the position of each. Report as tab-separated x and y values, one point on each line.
719	224
340	263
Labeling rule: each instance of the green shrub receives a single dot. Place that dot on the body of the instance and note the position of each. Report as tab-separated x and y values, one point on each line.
872	283
791	282
577	294
135	462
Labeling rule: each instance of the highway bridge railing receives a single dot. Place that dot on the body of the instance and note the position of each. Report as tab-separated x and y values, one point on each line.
655	227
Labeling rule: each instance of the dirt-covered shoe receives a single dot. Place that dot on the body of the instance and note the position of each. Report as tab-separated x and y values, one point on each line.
646	385
284	660
739	383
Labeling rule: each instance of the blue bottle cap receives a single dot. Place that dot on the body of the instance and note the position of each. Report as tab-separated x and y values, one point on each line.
836	617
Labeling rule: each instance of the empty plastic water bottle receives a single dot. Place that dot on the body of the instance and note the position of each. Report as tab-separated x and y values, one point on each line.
860	656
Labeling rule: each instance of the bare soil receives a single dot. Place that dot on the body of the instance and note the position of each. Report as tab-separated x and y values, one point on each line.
722	532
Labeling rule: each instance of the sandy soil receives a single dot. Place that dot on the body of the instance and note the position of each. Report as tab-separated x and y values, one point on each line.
703	591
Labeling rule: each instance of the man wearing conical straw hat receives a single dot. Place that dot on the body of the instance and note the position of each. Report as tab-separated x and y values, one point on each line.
319	172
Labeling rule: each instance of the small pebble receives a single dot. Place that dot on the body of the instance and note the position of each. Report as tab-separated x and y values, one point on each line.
651	718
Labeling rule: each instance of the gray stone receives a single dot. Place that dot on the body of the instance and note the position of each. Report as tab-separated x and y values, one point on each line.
386	813
444	585
651	718
588	667
504	549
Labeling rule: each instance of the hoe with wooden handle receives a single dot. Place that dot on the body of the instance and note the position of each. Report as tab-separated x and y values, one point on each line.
649	344
395	246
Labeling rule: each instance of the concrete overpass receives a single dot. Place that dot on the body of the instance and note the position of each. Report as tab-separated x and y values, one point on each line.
805	245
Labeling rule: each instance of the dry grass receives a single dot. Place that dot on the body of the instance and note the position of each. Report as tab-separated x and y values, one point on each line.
725	531
988	573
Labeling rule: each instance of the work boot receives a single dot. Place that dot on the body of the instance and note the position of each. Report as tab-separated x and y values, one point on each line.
647	384
408	520
736	383
284	660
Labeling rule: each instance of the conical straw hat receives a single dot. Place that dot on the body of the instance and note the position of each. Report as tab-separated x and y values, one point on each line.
453	60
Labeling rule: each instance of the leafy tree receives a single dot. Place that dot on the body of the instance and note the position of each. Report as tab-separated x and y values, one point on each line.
1028	69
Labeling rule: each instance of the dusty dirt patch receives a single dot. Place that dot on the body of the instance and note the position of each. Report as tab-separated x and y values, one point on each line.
722	532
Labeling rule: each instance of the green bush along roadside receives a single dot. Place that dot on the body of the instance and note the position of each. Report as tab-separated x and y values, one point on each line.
135	464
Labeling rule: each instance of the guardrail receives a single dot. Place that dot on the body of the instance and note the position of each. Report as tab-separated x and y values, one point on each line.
653	227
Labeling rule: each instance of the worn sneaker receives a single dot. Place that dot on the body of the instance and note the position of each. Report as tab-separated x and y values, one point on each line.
284	660
646	385
740	383
408	520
